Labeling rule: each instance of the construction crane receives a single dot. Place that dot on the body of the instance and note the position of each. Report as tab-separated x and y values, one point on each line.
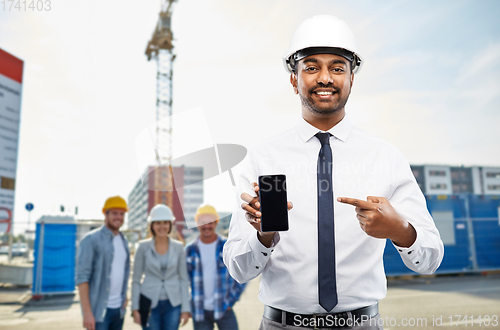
160	48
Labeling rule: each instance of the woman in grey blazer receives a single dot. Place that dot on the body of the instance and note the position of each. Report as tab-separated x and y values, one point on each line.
160	275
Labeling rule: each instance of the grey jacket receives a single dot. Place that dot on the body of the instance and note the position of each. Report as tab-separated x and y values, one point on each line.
93	265
175	281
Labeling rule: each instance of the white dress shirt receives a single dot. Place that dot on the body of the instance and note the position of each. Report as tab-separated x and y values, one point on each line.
363	165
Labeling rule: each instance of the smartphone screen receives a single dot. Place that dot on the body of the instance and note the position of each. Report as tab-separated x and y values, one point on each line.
273	203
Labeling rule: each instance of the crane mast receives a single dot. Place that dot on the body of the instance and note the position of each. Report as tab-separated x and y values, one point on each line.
160	49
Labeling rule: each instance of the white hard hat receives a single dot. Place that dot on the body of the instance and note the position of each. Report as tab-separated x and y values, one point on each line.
161	212
322	34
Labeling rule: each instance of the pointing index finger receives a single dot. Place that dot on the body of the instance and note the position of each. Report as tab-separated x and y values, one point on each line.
364	205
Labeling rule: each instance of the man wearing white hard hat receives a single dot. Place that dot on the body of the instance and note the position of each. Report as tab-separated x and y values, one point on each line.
351	192
160	284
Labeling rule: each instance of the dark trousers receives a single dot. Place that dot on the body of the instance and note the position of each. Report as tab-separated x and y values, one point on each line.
112	320
226	322
164	316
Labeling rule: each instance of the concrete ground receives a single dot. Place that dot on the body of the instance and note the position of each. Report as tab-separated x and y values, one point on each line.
19	312
439	302
444	301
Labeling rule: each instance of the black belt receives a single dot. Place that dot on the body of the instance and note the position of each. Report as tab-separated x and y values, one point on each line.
321	321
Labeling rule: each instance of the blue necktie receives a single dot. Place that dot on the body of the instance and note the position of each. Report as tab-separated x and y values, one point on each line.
327	286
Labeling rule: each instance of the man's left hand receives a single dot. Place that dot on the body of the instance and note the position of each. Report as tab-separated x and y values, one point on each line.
378	219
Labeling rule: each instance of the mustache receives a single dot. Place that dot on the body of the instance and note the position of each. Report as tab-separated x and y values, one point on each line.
323	86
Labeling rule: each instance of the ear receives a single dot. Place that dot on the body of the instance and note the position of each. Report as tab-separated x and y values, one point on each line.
293	81
352	79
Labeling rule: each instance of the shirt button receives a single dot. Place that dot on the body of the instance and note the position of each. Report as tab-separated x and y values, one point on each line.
265	254
257	267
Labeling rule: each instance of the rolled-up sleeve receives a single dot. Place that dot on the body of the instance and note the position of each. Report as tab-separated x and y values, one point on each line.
426	253
84	261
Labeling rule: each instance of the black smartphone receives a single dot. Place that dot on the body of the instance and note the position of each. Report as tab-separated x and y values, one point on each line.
273	203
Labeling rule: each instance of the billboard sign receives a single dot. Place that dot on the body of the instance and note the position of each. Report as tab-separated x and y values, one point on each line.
11	79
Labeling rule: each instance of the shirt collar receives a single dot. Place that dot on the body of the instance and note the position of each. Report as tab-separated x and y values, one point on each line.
108	232
340	131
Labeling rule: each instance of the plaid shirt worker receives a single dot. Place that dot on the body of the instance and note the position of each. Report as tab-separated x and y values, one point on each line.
227	290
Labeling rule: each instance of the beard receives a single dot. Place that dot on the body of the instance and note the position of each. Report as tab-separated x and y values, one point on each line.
309	103
112	225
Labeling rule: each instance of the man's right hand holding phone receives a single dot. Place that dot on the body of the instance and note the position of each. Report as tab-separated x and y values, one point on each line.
253	215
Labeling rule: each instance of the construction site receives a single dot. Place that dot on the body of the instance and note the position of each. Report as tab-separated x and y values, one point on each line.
172	124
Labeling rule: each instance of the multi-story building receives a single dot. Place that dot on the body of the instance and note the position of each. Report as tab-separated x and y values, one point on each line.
193	193
462	180
138	203
447	180
185	196
490	177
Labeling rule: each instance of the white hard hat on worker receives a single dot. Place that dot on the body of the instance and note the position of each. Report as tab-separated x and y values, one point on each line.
322	34
160	216
161	212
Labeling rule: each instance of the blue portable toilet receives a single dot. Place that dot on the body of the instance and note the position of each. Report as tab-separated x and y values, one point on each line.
55	251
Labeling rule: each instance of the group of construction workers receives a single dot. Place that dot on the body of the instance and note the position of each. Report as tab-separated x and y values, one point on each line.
170	283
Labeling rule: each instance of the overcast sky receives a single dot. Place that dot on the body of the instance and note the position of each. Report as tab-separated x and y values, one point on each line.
429	85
